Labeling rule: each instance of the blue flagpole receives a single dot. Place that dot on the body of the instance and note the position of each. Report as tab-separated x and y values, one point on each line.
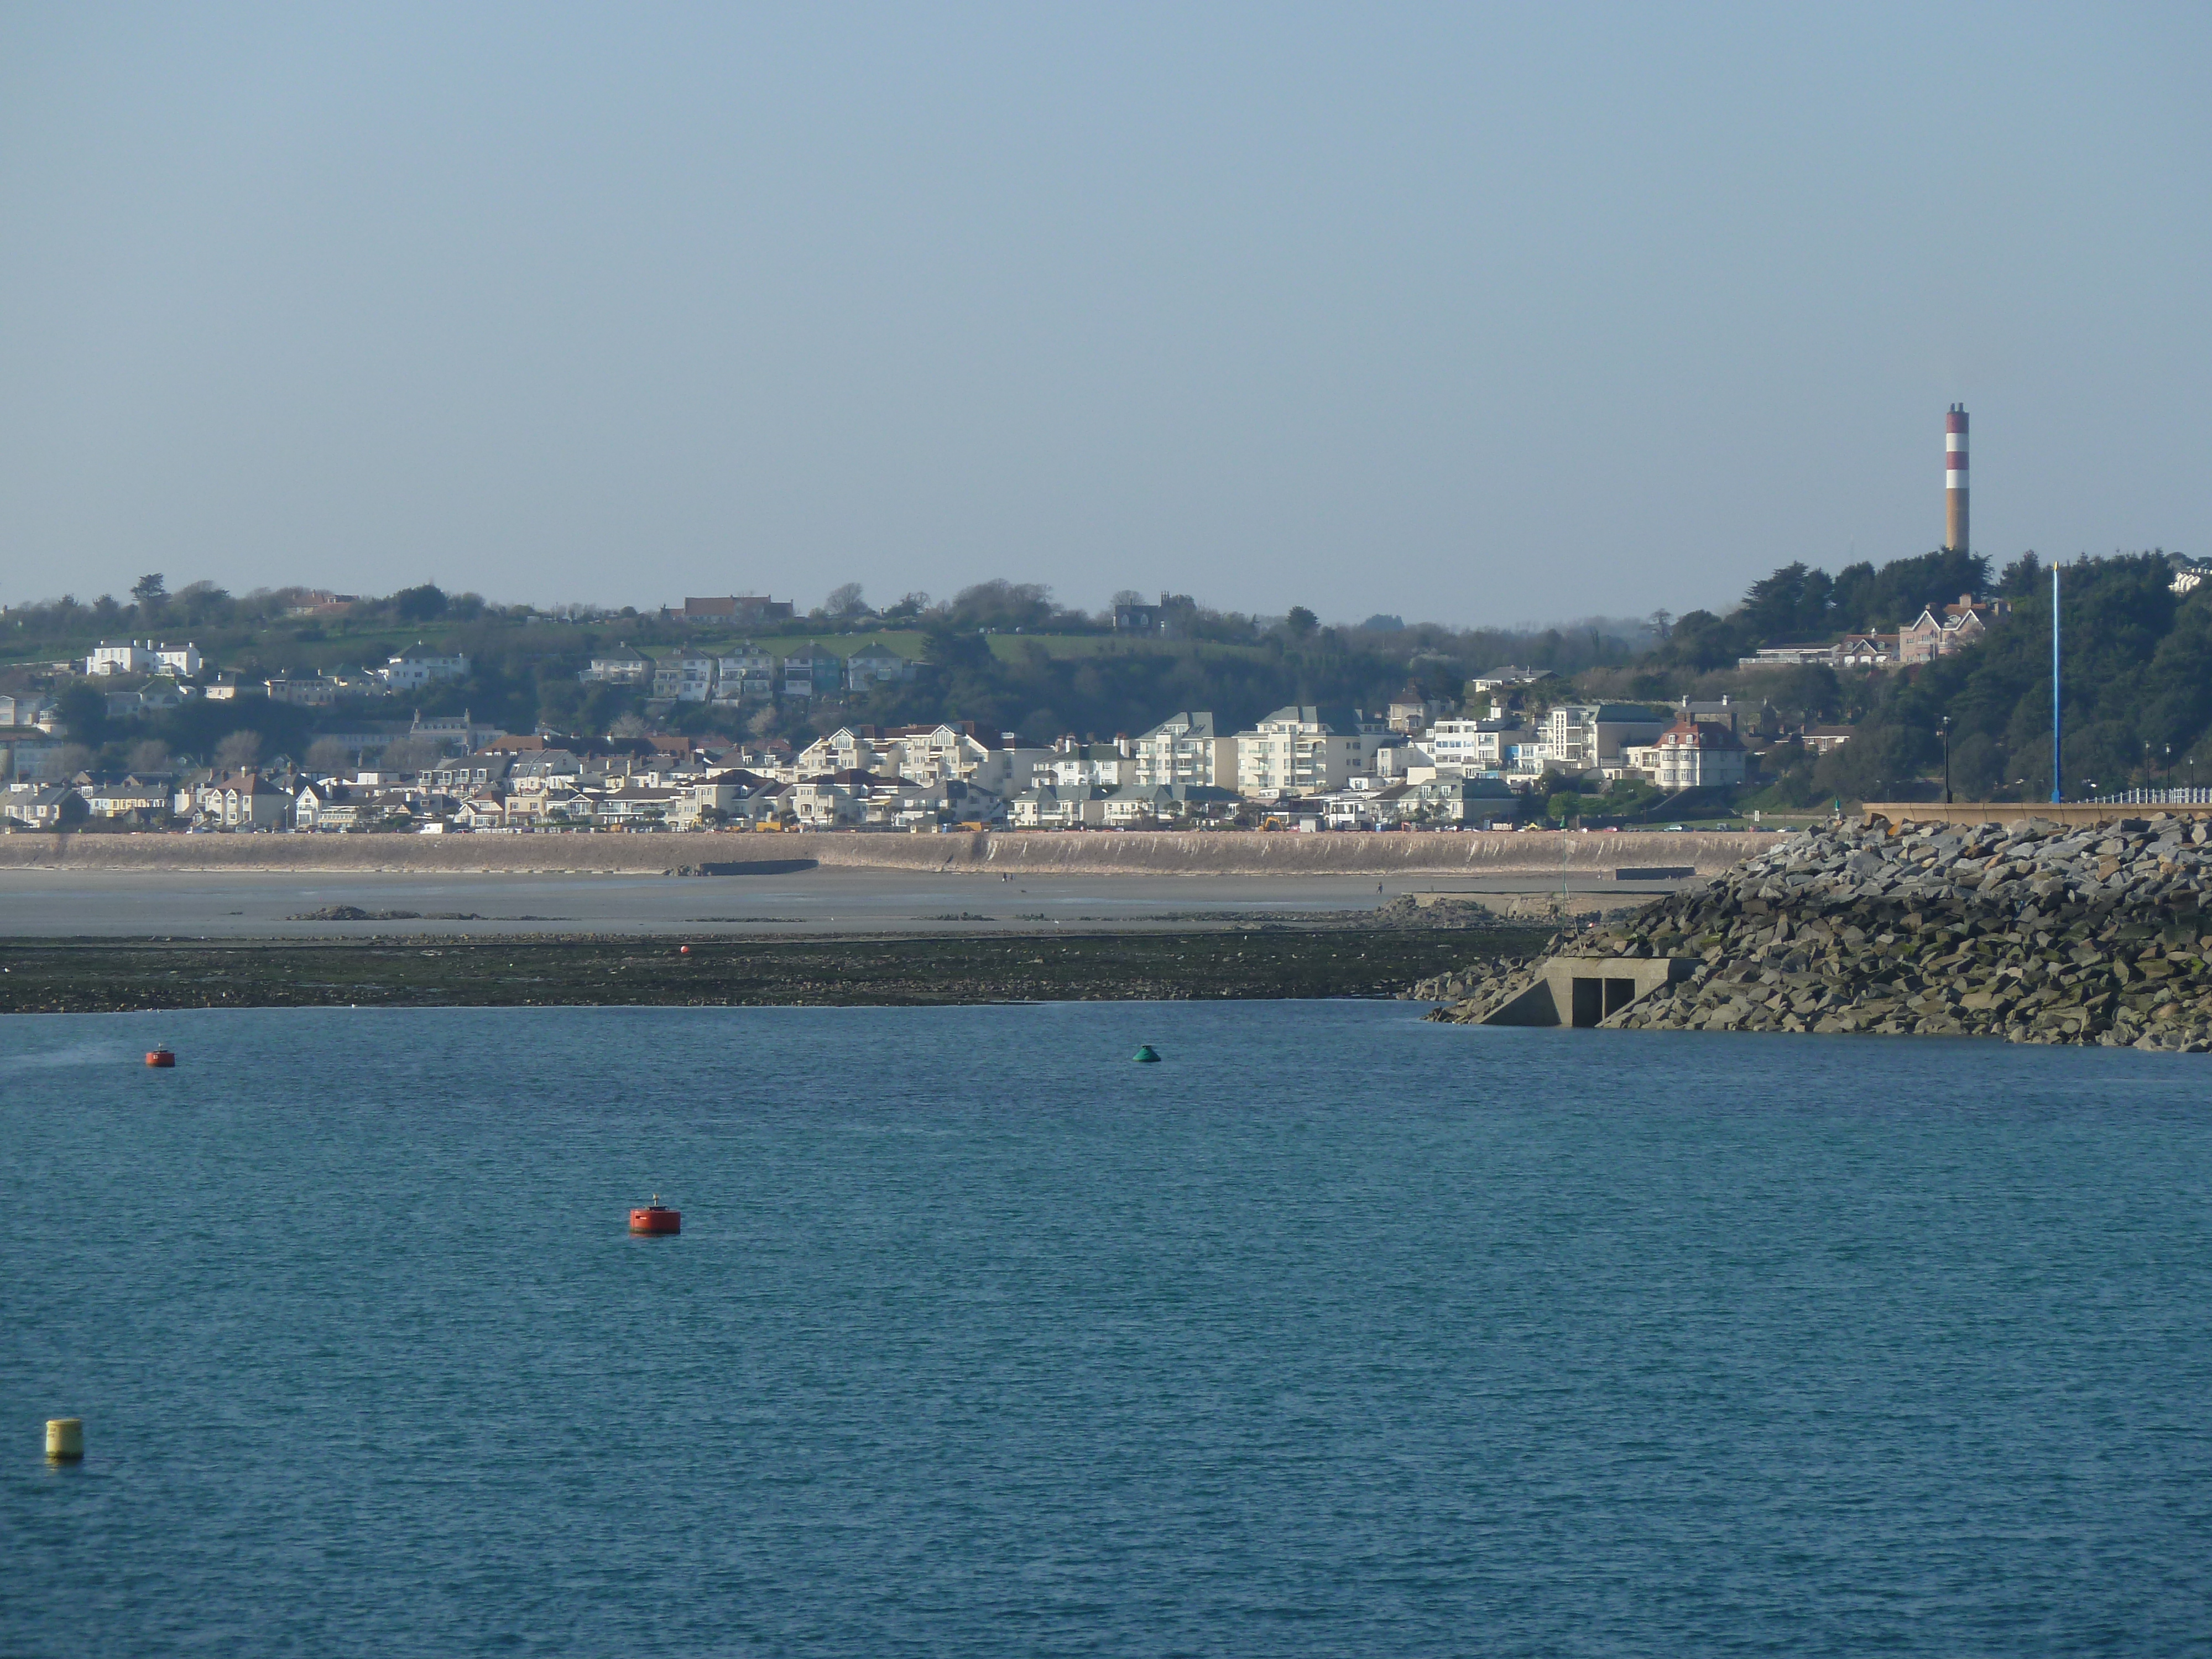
2058	727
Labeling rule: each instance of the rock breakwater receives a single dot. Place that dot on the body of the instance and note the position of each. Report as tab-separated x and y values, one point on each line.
2035	931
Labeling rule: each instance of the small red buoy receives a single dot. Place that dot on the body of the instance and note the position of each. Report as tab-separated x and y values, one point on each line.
656	1218
683	950
160	1057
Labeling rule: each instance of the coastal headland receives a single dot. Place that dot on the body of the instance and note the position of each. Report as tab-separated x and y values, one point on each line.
2032	930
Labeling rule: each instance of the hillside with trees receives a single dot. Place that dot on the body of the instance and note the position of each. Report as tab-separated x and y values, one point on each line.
1000	653
2137	683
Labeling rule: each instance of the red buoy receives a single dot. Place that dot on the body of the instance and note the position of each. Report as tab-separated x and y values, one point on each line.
656	1218
160	1057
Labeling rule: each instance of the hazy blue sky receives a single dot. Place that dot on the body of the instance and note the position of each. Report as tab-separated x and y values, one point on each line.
1483	315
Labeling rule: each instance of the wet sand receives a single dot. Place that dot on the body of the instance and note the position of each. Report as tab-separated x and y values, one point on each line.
830	900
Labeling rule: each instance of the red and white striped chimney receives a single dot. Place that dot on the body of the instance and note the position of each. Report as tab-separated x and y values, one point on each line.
1954	479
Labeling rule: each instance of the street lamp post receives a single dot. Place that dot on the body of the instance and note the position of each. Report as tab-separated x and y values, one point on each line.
1947	760
2057	723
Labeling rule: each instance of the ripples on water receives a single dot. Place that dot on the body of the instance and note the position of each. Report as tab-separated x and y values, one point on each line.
1336	1333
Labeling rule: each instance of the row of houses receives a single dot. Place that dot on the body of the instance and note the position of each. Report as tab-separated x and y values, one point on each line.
1343	767
173	673
751	674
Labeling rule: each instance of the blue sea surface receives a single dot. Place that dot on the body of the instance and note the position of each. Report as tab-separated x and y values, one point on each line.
1338	1332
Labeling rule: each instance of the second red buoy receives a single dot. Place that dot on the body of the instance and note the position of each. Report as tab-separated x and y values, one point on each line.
160	1057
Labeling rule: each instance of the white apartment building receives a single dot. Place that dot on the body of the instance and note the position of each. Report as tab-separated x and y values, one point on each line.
1185	748
1469	745
1301	749
1590	737
1074	765
949	753
144	657
850	749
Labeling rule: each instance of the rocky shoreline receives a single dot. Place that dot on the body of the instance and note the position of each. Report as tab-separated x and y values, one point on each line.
2035	931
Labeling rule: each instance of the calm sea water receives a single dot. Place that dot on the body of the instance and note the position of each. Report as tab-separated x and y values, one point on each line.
1335	1334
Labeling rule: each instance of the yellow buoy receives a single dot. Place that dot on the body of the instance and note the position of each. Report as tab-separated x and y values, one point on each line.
65	1438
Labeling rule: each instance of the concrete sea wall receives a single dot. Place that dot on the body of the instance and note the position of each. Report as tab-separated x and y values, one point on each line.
1226	853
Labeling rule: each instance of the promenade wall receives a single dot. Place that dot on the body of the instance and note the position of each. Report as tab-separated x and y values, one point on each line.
1224	853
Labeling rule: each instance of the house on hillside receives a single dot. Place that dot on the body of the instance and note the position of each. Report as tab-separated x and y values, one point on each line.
144	657
876	665
1866	650
683	678
734	611
26	713
459	729
1744	719
1505	678
320	602
747	674
1138	618
620	667
1932	635
810	672
304	691
419	665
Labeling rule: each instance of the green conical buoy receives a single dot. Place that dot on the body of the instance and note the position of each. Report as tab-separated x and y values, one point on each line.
1147	1054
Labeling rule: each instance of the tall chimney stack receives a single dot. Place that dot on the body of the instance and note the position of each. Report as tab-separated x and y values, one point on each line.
1954	479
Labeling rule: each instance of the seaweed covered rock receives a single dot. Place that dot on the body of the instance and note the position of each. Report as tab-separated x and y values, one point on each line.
2033	932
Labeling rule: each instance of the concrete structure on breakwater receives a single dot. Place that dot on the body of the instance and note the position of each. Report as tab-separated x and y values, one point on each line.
1472	853
2036	932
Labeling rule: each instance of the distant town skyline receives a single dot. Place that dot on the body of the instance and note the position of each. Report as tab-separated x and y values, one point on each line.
1477	317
